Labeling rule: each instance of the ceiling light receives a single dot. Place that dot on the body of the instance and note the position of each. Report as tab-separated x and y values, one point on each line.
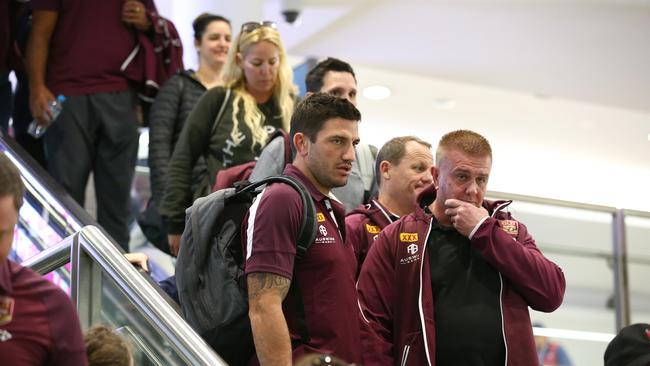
443	103
376	92
649	137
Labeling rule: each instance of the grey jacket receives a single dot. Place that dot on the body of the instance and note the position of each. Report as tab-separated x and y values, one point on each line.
271	162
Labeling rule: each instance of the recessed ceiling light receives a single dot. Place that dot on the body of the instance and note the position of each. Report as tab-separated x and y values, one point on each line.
376	92
649	137
443	103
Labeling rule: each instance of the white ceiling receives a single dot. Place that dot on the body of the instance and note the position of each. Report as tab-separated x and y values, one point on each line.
593	51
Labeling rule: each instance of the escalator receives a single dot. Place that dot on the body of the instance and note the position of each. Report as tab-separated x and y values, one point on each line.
57	238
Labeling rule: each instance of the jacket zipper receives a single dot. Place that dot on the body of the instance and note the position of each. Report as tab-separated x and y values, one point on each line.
503	322
405	355
424	329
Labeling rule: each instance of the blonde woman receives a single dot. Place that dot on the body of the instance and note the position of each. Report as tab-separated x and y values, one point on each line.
230	125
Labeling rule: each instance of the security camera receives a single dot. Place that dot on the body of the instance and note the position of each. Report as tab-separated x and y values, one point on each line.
291	10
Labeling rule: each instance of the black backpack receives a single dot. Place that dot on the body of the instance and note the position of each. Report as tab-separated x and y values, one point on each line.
210	268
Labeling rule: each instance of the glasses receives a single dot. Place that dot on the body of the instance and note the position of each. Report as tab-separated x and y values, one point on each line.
251	26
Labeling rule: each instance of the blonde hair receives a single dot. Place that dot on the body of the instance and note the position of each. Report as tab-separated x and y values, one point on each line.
283	90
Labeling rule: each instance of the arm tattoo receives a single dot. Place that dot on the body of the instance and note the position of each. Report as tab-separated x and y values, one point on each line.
263	282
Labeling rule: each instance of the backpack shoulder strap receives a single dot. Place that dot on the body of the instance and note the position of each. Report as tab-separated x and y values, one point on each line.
307	232
217	120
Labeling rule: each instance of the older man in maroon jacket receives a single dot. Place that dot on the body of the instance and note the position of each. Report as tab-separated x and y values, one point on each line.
450	284
403	170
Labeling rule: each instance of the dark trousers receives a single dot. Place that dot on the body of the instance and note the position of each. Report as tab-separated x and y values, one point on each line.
98	133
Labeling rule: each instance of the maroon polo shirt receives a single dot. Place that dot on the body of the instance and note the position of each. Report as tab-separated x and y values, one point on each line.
88	46
38	323
326	276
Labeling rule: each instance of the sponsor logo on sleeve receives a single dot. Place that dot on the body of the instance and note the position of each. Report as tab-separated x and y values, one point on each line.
373	229
408	237
510	226
320	217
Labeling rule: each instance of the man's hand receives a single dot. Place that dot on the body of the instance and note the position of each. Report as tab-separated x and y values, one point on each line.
39	98
135	14
174	241
464	215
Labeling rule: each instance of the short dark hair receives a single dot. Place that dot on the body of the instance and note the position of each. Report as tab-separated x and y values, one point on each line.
202	21
314	80
10	182
393	151
312	113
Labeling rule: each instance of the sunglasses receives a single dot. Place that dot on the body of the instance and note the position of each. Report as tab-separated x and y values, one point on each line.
251	26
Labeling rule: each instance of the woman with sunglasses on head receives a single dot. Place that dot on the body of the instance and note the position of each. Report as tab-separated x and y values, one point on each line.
173	104
230	125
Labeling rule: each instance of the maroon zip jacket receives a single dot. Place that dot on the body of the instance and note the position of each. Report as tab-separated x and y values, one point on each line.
363	225
395	296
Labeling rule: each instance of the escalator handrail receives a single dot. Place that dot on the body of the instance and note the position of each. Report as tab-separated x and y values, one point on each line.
102	251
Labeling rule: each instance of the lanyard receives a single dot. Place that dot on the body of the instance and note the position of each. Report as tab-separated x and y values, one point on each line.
331	212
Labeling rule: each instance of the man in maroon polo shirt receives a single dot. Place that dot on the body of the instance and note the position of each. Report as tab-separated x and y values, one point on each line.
324	132
78	48
38	323
403	170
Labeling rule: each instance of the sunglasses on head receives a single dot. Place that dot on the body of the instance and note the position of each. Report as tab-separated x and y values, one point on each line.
251	26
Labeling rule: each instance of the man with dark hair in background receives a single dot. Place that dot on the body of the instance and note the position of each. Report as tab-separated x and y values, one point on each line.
337	78
38	323
451	283
324	131
403	170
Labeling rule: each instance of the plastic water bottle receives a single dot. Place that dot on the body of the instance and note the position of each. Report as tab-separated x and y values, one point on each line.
55	106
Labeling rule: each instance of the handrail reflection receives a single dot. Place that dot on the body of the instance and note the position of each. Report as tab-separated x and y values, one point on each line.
51	258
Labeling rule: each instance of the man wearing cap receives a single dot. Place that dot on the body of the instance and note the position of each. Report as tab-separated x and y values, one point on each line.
451	283
38	323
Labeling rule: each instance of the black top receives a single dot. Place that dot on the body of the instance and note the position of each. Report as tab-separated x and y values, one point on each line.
466	293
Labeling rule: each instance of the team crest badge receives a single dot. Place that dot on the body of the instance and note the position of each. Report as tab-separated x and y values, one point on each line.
6	309
510	226
373	229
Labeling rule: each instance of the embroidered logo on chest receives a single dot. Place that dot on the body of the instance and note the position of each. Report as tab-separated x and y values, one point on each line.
373	229
6	309
510	226
323	237
408	237
320	217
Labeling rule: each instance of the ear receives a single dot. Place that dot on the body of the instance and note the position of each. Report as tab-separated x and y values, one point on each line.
197	44
435	173
384	168
301	143
308	94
